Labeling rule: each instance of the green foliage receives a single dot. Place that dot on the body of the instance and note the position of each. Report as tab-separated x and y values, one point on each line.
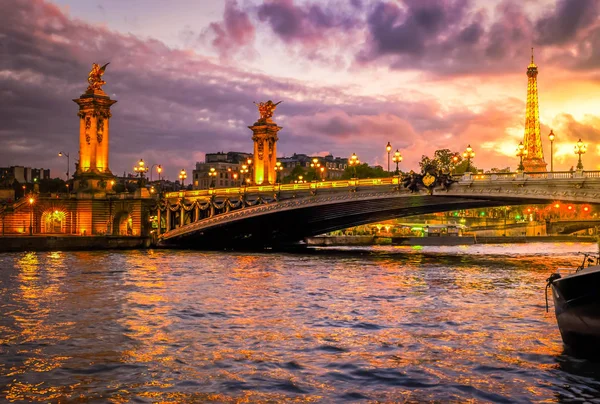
295	175
447	161
364	171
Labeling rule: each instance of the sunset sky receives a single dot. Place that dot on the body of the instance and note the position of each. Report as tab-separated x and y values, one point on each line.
352	74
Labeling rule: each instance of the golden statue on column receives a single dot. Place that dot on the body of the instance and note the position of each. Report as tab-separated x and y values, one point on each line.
266	109
265	144
95	78
93	173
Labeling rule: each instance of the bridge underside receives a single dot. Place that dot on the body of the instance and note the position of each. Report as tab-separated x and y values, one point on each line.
284	227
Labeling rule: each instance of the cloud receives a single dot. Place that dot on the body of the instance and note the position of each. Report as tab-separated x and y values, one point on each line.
175	105
235	32
568	18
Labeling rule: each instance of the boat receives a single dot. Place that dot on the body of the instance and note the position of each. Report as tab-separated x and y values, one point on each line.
576	297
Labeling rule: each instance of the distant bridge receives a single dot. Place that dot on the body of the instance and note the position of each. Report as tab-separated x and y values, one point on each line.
262	216
570	226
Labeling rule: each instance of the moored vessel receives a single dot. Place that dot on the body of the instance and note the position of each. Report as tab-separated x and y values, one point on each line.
576	296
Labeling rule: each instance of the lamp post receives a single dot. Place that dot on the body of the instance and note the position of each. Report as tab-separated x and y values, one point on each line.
520	153
580	149
158	170
61	154
212	173
322	174
468	154
141	168
315	165
551	137
31	200
243	171
249	161
397	159
353	162
278	169
454	162
388	148
182	176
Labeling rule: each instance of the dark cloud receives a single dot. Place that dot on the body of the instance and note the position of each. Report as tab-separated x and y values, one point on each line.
569	17
234	32
306	22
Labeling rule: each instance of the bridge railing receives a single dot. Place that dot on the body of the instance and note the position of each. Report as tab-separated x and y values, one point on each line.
305	186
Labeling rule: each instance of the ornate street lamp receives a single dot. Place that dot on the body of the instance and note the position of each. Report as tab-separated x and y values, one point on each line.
158	170
322	169
213	174
278	169
31	201
243	171
580	149
141	168
468	154
353	161
61	154
388	148
315	165
251	169
520	153
182	176
397	159
551	137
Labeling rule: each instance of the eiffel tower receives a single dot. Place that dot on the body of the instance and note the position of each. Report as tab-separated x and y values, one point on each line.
532	140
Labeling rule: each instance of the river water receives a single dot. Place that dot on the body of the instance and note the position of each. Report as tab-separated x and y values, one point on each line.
387	324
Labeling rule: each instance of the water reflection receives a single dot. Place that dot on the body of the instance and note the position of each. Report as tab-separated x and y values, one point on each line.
384	324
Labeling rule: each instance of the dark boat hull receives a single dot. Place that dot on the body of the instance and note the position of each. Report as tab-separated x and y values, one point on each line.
577	307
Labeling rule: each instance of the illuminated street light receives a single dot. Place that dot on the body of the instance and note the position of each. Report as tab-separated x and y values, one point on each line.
353	162
244	171
31	201
397	159
278	169
158	170
551	137
388	148
141	168
182	176
213	174
315	165
580	149
322	173
468	154
521	152
61	154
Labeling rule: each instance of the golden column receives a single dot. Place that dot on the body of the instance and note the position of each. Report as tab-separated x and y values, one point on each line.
532	140
265	144
94	112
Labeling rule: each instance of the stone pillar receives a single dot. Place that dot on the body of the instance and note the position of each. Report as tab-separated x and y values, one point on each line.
181	216
196	213
158	218
169	213
265	151
93	172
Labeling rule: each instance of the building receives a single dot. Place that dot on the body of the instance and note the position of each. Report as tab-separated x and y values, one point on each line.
24	175
221	174
333	167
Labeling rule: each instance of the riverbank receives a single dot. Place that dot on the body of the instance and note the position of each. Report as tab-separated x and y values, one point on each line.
321	241
72	243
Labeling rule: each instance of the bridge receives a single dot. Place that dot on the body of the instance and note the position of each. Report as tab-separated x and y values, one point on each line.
570	226
269	215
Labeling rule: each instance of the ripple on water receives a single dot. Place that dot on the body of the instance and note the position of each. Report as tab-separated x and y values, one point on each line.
380	324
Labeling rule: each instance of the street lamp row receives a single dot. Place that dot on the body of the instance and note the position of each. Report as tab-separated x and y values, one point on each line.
396	159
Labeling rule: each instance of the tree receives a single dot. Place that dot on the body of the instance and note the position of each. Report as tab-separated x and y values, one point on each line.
295	175
447	161
364	171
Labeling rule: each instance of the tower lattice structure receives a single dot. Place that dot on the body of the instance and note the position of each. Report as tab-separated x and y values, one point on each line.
532	140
